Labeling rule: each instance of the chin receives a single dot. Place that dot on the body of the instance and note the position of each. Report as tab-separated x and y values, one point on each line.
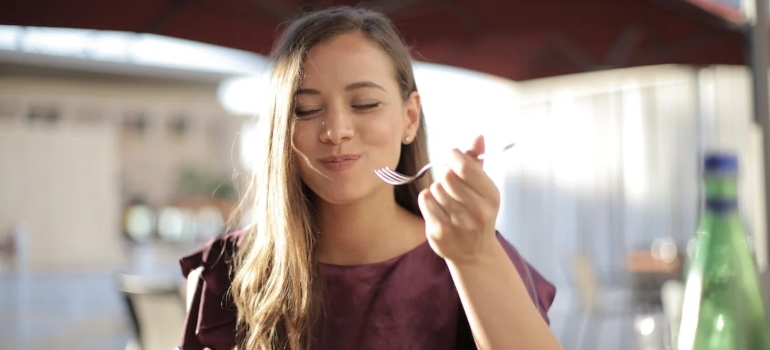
345	192
341	196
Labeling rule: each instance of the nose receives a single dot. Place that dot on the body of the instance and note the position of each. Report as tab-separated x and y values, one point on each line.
337	126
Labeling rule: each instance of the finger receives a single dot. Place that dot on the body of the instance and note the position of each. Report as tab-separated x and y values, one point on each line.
458	215
469	170
449	204
430	207
460	191
477	148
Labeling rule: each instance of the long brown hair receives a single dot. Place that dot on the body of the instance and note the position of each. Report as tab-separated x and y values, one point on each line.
276	286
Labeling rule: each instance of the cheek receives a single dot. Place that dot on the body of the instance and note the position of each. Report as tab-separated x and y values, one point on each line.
301	143
383	134
384	130
300	138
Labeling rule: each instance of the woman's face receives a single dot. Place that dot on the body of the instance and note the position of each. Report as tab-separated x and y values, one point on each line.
349	118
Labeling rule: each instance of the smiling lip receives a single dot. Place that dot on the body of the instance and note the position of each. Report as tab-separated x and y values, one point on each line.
340	162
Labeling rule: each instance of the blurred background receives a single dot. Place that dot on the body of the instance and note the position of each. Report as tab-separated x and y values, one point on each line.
126	128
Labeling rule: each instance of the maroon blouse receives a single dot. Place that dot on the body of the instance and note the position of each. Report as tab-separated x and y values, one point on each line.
407	302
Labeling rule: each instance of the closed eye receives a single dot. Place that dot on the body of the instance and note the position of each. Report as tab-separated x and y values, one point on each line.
367	106
305	113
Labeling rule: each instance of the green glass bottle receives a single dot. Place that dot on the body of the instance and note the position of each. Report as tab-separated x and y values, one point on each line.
722	308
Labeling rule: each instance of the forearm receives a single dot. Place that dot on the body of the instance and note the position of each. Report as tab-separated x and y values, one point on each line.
499	309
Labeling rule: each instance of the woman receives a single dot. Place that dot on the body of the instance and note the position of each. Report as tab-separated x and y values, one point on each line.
339	259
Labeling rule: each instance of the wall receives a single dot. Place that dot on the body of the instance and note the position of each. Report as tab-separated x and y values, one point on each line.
63	187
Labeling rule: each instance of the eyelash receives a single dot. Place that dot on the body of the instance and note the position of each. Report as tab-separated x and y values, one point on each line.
301	114
367	106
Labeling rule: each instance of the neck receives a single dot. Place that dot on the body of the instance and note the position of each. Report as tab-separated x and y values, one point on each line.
371	230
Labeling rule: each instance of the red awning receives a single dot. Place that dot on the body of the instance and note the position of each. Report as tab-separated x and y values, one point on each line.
515	39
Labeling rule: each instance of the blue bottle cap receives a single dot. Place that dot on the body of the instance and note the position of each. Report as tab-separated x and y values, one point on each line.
720	163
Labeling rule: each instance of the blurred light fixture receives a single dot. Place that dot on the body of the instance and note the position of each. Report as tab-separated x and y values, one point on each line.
664	249
140	223
175	224
646	325
210	222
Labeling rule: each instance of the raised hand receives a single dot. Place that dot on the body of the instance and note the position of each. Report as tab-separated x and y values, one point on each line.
461	207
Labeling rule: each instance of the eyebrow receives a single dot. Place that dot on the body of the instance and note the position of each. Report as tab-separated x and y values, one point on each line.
349	87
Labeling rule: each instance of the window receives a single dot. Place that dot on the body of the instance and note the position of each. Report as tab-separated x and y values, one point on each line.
43	114
135	123
179	125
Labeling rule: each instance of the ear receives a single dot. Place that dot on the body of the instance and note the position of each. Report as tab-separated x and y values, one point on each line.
412	108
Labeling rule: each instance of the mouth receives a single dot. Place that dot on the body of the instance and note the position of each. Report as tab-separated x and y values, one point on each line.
339	162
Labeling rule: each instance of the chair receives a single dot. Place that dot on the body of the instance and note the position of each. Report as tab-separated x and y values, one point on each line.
156	309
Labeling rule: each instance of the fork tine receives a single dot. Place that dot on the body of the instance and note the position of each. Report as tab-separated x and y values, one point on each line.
384	176
390	176
392	181
398	176
394	178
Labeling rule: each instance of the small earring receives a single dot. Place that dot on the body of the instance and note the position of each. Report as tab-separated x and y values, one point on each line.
407	139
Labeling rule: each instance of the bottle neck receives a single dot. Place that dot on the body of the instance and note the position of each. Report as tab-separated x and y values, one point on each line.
721	192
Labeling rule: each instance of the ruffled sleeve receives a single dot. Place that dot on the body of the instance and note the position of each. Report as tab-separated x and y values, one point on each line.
540	290
211	320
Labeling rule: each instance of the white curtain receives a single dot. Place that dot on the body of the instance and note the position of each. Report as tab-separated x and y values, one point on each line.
605	162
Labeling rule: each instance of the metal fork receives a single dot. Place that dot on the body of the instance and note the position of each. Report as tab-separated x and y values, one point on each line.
395	178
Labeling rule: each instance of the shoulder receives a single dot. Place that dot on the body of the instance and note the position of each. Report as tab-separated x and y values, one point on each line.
541	291
211	318
214	254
